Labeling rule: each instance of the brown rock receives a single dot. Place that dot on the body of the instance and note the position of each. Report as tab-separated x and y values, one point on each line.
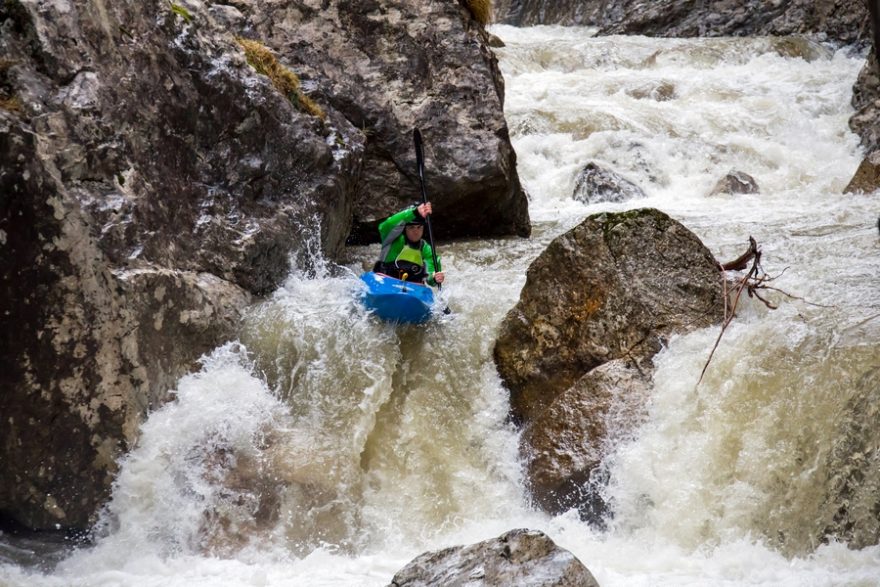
575	351
565	444
613	287
867	176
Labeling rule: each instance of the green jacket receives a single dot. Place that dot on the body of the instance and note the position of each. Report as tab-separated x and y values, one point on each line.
391	234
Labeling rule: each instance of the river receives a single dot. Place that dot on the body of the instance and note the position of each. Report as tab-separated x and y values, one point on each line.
324	448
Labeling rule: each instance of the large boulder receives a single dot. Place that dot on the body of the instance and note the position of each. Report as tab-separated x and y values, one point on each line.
598	303
151	181
389	67
518	557
837	20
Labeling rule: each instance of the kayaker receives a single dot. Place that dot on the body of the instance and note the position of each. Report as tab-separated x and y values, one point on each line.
405	253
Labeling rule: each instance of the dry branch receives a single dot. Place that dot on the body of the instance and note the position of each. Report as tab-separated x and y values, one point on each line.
751	283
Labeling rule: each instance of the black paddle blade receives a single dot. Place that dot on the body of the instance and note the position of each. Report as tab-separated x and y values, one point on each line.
417	141
420	157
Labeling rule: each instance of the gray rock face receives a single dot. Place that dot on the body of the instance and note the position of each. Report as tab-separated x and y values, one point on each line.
866	101
532	12
518	557
391	66
866	120
574	351
595	184
838	20
152	181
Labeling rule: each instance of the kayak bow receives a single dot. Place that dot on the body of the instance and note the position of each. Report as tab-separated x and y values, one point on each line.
395	300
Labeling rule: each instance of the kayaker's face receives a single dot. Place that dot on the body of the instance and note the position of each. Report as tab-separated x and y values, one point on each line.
414	232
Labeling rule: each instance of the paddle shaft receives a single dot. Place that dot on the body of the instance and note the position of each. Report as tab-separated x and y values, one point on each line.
420	160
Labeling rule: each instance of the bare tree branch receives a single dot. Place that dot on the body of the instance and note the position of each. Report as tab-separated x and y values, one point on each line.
752	282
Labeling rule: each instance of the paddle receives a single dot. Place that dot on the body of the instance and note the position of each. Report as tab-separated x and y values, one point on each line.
420	160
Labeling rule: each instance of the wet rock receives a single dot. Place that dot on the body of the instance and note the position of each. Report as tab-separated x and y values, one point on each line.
532	12
604	295
595	184
866	101
565	444
391	67
836	20
659	91
495	42
867	176
735	182
518	557
853	494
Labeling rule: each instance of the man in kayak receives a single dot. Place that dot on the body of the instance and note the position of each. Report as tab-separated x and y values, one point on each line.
405	254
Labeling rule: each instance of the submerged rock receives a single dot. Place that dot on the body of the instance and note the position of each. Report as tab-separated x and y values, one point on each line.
595	184
518	557
853	495
565	444
735	182
605	294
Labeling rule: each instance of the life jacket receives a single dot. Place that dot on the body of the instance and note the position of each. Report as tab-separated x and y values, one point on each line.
411	254
409	263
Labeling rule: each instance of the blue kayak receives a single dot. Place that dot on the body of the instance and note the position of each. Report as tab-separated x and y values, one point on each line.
397	301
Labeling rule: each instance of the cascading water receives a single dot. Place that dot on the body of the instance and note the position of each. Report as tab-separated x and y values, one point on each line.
327	448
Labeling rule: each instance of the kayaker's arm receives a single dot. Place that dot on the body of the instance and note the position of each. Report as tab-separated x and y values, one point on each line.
395	220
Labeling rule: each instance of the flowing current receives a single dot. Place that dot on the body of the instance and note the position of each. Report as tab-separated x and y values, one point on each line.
327	448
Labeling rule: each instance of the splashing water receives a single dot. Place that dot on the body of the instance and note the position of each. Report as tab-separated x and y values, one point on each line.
327	448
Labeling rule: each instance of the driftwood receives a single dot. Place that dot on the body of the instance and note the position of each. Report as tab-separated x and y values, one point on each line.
753	283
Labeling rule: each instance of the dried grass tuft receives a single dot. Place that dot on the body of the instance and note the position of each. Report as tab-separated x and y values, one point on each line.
285	81
482	10
12	104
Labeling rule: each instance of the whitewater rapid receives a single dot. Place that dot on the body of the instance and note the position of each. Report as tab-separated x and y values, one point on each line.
326	448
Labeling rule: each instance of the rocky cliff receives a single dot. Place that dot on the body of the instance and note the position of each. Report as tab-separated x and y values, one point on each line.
154	177
844	21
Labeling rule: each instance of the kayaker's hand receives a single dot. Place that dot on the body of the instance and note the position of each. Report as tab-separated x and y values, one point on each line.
424	209
438	277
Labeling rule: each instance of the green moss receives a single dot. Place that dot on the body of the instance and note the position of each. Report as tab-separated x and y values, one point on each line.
285	81
181	12
610	220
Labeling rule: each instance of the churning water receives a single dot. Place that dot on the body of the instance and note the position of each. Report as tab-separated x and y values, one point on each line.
327	448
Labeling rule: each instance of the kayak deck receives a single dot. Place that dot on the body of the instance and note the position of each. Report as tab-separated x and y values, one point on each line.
395	300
